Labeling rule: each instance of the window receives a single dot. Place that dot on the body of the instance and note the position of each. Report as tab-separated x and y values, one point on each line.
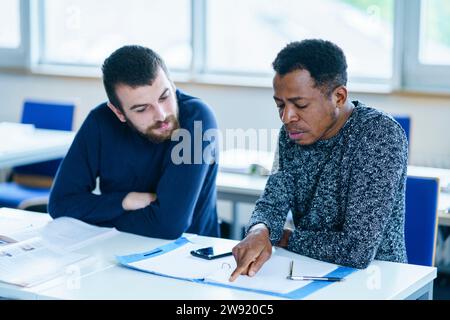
9	24
248	40
85	32
435	32
427	46
403	44
13	37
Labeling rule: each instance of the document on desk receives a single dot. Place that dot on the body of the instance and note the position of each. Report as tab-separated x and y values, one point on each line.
272	277
63	233
72	234
14	222
34	248
179	263
31	262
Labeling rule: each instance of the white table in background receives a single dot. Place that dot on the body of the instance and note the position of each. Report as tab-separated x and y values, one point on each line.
19	147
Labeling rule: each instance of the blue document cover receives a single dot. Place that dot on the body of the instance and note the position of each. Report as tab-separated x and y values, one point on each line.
135	262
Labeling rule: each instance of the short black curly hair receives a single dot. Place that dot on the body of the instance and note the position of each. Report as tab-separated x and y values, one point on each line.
131	65
324	60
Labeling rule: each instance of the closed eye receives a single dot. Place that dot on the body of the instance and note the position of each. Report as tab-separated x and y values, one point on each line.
161	99
141	109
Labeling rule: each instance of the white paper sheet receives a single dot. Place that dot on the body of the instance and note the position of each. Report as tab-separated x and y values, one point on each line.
181	264
63	233
34	248
272	277
273	274
15	222
28	263
71	234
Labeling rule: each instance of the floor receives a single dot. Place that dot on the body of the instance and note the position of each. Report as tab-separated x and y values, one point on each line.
442	287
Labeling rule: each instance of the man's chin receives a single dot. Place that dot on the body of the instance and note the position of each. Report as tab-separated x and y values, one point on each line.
304	141
158	138
163	135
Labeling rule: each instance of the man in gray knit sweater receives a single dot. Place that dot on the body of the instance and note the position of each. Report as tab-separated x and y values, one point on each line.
341	170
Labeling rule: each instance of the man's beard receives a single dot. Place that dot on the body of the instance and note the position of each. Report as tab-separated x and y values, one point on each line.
171	120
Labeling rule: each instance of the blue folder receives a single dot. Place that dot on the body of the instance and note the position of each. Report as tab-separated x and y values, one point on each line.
300	293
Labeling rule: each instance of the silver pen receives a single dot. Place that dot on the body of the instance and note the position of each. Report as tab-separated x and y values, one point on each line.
309	278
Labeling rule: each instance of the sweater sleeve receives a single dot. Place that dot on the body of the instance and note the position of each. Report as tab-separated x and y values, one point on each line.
273	206
379	171
180	186
71	193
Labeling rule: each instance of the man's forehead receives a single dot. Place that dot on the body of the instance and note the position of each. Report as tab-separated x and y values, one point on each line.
130	97
160	79
298	76
296	84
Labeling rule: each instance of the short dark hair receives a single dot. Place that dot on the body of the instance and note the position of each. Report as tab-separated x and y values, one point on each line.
324	60
130	65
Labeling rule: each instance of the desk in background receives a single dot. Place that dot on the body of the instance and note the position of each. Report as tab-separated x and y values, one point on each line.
242	188
104	279
28	145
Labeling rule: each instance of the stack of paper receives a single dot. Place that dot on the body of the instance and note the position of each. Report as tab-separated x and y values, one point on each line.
14	222
34	248
30	262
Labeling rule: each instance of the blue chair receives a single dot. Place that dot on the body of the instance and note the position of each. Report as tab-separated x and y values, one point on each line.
405	122
421	219
19	193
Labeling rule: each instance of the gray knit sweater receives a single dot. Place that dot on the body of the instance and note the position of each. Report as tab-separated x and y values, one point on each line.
346	194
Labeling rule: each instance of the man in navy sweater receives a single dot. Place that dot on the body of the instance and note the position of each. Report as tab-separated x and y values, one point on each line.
147	186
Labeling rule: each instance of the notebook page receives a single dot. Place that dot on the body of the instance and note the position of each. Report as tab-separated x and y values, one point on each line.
273	274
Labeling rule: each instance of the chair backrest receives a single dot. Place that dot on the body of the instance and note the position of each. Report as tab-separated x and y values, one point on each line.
46	115
421	219
405	122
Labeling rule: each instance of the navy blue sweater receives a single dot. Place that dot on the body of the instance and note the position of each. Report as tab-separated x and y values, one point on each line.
126	162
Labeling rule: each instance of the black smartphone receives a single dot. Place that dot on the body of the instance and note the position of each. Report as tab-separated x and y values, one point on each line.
211	253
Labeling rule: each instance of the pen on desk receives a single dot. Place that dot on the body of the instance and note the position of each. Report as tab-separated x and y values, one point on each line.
309	278
291	269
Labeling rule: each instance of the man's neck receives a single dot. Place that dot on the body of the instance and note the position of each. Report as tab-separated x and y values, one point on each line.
343	116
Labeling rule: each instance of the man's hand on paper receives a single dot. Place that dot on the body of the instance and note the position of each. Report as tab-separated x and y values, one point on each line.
252	252
137	200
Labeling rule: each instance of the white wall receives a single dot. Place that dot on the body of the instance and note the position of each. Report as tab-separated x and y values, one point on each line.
242	107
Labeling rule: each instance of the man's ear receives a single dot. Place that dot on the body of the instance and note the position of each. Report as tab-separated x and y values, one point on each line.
340	95
117	112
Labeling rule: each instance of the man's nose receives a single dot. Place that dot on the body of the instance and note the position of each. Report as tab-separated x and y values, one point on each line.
289	115
160	113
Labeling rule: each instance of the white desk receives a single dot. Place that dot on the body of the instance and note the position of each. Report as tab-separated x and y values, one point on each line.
106	280
19	148
238	188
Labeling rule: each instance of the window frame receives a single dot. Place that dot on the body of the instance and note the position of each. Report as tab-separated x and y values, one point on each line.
408	73
16	58
416	75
